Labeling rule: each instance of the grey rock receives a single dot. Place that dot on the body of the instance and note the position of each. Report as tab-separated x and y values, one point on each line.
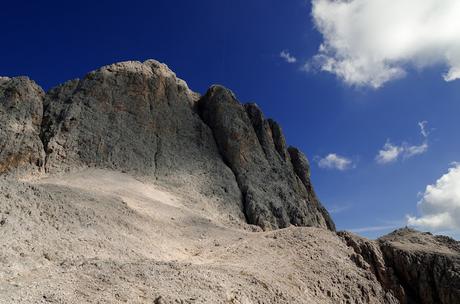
301	168
139	118
301	165
21	109
254	148
427	266
278	139
369	257
412	266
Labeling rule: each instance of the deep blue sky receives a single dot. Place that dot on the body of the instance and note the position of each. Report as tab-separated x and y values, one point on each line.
237	43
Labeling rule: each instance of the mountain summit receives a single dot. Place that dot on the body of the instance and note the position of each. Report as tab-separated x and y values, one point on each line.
128	187
140	118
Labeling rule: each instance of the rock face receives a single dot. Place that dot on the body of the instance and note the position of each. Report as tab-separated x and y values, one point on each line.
140	118
414	267
428	267
21	110
274	194
137	117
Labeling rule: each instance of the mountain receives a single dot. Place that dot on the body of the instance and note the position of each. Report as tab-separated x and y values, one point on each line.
126	186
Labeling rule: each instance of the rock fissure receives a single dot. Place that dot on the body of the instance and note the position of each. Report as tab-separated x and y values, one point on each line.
156	155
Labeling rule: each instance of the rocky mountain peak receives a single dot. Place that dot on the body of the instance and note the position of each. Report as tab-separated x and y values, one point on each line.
139	117
169	190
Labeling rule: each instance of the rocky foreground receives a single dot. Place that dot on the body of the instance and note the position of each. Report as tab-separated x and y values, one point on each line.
127	187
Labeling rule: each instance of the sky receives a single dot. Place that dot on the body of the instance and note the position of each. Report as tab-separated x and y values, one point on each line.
367	89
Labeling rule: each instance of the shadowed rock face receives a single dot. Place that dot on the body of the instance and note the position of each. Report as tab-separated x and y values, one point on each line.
428	267
413	266
21	109
274	195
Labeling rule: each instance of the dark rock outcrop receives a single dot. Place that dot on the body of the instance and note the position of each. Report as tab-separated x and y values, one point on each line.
21	109
274	196
301	167
368	256
414	267
427	266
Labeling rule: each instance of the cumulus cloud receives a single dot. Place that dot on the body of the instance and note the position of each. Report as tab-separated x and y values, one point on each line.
368	43
334	161
288	57
440	204
391	153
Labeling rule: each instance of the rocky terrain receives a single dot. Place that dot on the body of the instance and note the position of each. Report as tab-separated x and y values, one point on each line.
128	187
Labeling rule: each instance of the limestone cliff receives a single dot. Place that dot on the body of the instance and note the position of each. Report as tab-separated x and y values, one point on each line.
140	118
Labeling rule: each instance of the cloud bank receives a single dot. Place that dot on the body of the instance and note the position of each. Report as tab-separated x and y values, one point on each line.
334	161
368	43
440	204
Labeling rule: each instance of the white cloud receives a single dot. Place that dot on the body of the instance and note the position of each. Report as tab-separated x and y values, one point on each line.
288	57
334	161
440	204
370	42
423	130
410	151
391	153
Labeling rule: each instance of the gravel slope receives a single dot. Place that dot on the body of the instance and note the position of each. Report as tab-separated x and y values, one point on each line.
99	236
